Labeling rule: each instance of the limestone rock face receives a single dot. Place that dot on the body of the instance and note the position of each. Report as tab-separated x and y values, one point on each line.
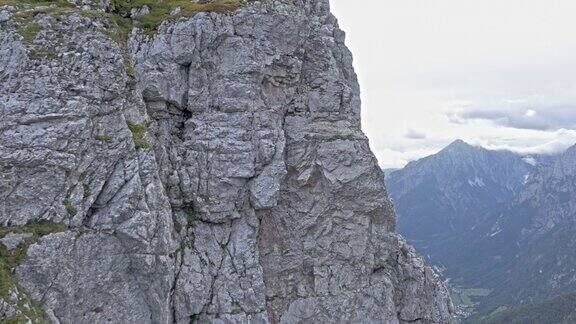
214	171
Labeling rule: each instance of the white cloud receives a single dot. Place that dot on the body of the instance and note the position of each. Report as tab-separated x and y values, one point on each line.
544	118
556	142
415	135
424	64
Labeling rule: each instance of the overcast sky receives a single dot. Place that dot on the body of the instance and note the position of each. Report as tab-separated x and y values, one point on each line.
497	73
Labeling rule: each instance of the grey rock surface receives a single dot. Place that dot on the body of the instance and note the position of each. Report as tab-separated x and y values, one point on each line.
229	181
12	240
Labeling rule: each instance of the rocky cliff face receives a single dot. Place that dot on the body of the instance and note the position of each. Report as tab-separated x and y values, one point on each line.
551	192
213	170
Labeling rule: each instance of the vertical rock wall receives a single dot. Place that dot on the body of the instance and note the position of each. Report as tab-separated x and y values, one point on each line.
228	181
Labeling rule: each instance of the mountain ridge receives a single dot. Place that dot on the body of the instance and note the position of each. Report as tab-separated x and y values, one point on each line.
516	216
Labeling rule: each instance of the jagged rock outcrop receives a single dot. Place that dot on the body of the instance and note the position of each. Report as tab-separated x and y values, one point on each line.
213	171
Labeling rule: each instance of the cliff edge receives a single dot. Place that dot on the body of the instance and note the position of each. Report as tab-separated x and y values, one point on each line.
180	162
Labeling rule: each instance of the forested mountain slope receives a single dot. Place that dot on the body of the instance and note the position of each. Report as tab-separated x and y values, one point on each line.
499	224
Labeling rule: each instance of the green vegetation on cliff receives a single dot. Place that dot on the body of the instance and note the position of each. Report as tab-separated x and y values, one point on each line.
159	11
151	13
138	135
119	18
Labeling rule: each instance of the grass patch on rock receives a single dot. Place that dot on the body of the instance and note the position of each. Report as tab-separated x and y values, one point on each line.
103	138
17	3
26	10
138	135
177	225
121	15
129	67
70	207
44	52
36	228
159	11
191	218
29	31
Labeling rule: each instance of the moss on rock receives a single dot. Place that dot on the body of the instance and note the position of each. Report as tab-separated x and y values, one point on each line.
138	133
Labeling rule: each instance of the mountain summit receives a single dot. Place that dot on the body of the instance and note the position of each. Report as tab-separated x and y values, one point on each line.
459	146
451	192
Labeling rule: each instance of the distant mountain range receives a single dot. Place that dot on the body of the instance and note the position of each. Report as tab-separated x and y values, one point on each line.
500	226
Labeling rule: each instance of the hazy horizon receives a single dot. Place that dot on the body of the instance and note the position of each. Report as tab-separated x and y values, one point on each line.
495	74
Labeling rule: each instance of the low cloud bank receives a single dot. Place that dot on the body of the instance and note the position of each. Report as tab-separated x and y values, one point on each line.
549	118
